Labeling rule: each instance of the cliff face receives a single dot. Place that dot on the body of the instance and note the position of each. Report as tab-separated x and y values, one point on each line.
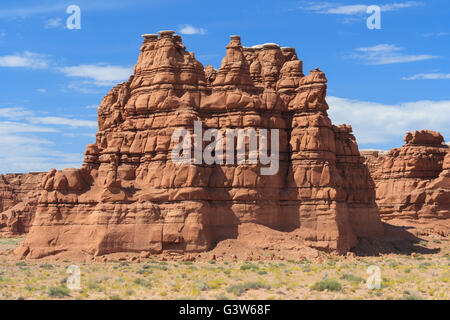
130	196
413	182
18	201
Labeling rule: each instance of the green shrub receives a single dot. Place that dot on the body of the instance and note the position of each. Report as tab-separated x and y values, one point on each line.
262	272
143	283
330	285
239	289
115	297
424	265
249	266
352	278
58	292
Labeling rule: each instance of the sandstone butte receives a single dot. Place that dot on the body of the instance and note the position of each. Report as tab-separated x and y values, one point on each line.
129	196
413	182
18	201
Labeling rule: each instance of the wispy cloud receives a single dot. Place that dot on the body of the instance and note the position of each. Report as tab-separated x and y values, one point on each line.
26	11
42	90
53	23
387	54
15	113
29	142
377	123
189	29
27	59
355	9
64	122
100	74
428	76
22	127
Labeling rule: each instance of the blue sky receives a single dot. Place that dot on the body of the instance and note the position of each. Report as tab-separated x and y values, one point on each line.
382	82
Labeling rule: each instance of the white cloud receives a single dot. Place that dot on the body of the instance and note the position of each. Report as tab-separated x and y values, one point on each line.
24	154
14	113
8	127
428	76
23	147
377	123
64	122
92	106
189	29
102	75
400	5
42	90
347	10
355	9
387	54
53	23
25	60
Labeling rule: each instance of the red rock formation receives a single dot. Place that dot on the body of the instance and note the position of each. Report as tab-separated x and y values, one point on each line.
18	201
413	182
129	196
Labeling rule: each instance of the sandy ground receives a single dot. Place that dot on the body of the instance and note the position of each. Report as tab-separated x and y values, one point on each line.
422	272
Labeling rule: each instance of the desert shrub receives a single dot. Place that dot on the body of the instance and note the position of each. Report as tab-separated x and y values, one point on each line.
202	286
143	282
249	266
330	285
58	292
262	272
93	285
236	289
424	265
352	278
46	266
239	289
115	297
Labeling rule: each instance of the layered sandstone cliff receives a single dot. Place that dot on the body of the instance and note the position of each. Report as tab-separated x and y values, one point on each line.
18	201
413	182
129	196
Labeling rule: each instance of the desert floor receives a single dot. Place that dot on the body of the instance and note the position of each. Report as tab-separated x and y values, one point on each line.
403	276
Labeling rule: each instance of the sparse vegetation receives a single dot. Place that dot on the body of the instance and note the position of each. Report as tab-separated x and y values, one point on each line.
406	277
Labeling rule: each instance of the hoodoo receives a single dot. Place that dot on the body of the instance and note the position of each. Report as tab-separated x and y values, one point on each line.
129	196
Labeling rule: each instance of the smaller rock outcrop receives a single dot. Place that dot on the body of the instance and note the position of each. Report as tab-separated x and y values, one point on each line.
19	195
413	182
